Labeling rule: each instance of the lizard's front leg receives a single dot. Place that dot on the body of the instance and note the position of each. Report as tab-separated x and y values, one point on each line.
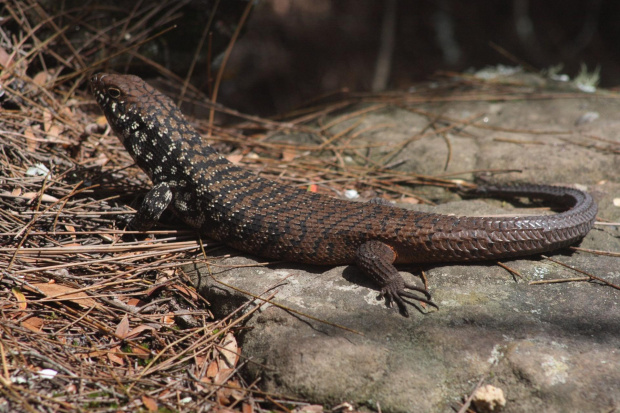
155	203
376	260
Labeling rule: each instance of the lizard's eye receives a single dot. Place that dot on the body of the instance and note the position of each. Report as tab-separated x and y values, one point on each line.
114	93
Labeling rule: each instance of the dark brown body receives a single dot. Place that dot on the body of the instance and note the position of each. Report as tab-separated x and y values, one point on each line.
304	227
277	221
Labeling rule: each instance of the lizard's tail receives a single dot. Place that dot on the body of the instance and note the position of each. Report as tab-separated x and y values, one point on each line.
566	227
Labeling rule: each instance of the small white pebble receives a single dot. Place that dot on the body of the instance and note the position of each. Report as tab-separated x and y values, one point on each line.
561	77
47	374
586	88
19	380
351	194
587	118
37	170
489	399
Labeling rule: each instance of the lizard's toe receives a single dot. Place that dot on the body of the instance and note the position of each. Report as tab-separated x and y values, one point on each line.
397	295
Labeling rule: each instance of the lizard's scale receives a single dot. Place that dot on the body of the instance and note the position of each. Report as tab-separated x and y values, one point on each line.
273	220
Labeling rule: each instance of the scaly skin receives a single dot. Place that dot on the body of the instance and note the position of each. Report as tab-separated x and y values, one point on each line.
277	221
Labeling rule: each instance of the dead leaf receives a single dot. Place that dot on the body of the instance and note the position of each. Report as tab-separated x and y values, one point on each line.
200	361
72	244
110	238
101	160
122	329
212	370
186	291
63	292
161	283
33	324
247	408
168	319
22	303
64	110
140	351
31	140
312	408
234	158
94	354
114	357
222	409
289	154
237	390
229	350
136	302
44	197
54	133
149	403
232	392
101	121
136	331
4	58
223	397
47	119
40	78
409	200
222	376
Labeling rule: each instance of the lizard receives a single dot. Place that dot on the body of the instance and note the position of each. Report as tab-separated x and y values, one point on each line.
243	210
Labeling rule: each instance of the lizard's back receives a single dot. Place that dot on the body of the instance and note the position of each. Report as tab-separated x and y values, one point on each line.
279	221
270	219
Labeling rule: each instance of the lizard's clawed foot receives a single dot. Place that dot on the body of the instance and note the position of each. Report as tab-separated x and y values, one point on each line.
376	260
397	294
124	220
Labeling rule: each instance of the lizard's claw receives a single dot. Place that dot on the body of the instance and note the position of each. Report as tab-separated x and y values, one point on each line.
376	260
124	220
395	293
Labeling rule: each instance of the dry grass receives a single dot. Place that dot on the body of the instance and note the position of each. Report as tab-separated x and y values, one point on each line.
94	318
97	318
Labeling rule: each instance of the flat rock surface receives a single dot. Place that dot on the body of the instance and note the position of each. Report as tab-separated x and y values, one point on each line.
548	347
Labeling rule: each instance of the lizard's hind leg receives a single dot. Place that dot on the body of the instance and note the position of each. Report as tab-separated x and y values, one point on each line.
376	260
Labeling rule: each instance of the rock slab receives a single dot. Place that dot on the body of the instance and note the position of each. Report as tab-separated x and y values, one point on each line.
550	347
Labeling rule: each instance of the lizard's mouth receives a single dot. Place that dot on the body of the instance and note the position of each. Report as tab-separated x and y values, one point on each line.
95	81
97	88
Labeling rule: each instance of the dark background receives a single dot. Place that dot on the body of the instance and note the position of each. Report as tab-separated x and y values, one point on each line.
291	51
294	50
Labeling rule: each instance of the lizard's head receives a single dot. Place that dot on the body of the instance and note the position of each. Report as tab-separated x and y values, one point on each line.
117	96
146	121
127	101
